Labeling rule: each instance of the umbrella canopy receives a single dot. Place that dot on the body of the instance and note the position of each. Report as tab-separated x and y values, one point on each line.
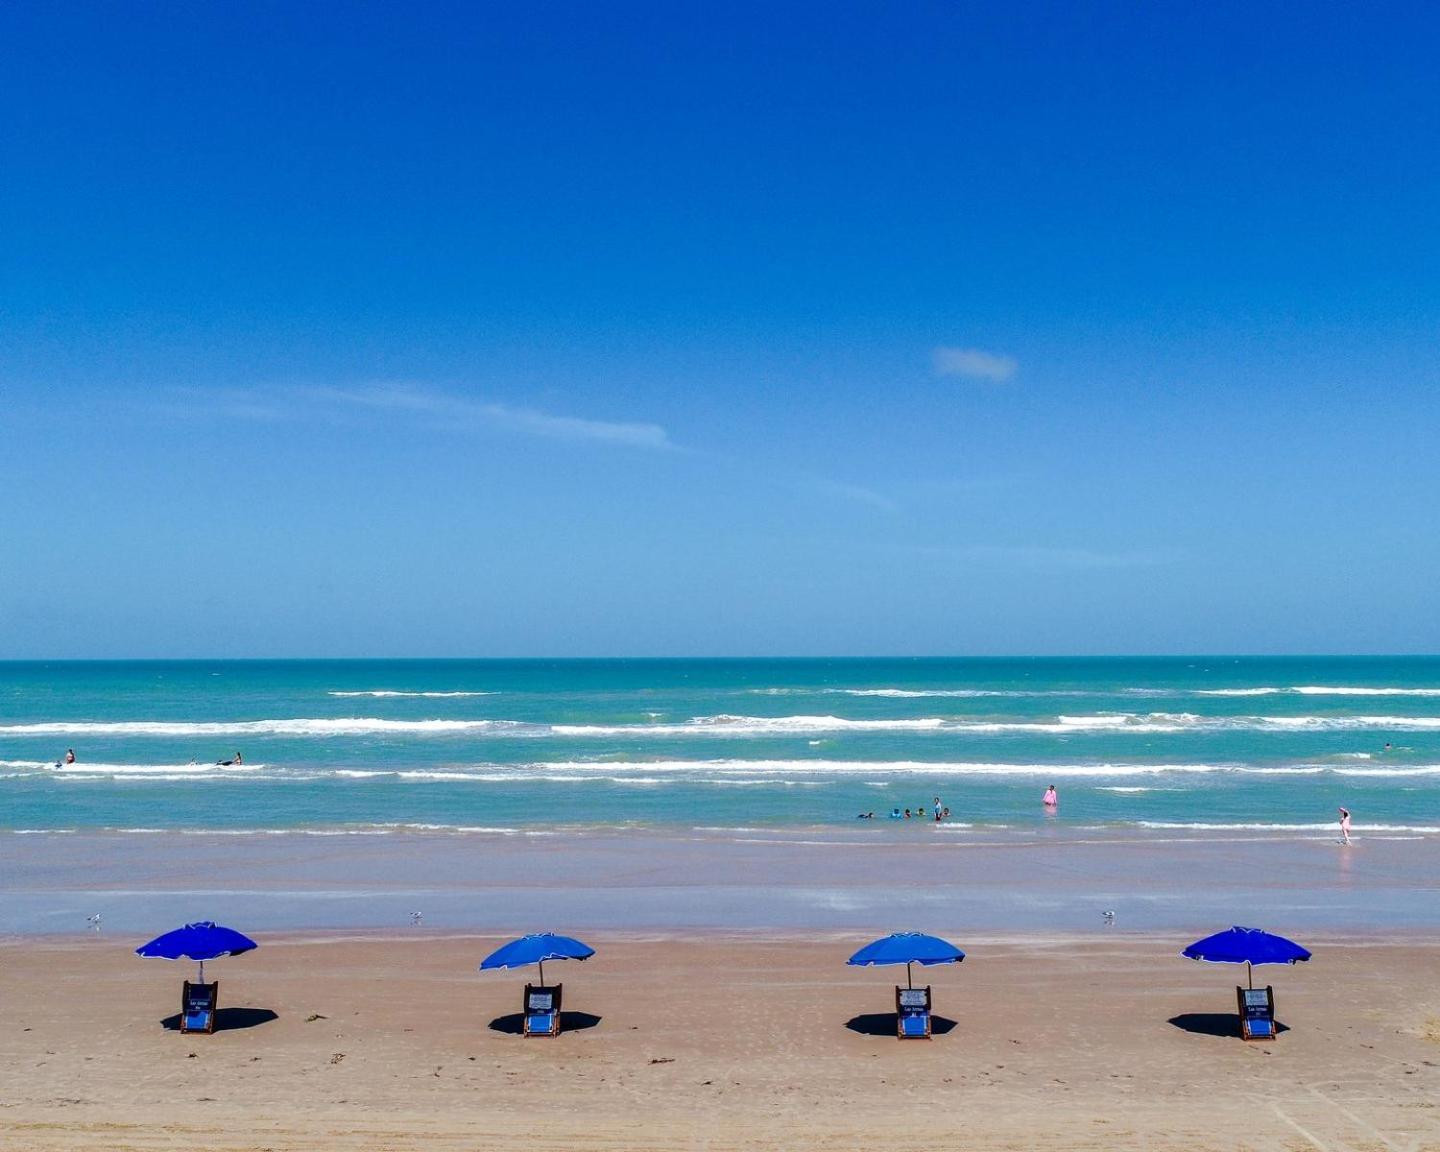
1246	946
203	940
908	948
536	949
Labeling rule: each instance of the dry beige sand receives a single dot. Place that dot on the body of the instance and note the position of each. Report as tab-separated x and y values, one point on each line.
717	1043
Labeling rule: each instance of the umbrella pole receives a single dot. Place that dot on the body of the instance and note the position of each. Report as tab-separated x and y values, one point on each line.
542	973
202	971
909	975
1249	973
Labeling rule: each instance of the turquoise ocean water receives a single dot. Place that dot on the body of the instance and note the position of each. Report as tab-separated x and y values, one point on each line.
1174	746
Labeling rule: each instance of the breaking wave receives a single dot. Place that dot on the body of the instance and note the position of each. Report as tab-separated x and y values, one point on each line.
352	726
82	770
728	725
736	772
1332	826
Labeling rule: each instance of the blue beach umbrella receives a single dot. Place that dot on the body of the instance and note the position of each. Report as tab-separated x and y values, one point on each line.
536	949
1248	946
908	948
201	941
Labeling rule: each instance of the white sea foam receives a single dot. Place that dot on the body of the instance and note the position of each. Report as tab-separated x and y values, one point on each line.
383	693
158	771
1345	723
1123	789
1128	722
714	828
722	771
349	726
937	693
761	771
1255	826
153	778
725	725
418	827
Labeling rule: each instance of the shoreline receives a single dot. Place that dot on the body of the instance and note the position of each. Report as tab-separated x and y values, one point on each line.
765	882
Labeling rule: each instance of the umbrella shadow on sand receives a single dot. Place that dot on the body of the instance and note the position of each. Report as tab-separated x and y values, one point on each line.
883	1024
1223	1024
514	1024
228	1019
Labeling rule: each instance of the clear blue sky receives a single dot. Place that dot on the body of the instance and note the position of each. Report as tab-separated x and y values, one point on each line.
617	329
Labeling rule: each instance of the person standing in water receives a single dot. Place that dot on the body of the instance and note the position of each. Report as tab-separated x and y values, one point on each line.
1052	798
70	756
939	810
1345	826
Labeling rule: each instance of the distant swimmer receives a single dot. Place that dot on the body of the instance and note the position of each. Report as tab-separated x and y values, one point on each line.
239	759
70	756
1344	825
1052	798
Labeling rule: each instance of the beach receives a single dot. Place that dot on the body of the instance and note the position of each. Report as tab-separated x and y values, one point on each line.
718	1011
392	822
717	1042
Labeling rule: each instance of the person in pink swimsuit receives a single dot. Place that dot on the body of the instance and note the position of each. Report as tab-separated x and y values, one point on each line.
1052	798
1344	825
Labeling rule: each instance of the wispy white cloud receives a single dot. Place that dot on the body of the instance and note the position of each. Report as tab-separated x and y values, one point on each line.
451	408
447	409
973	363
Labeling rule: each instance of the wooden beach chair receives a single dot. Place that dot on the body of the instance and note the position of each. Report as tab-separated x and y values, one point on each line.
1257	1012
197	1007
542	1009
912	1013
